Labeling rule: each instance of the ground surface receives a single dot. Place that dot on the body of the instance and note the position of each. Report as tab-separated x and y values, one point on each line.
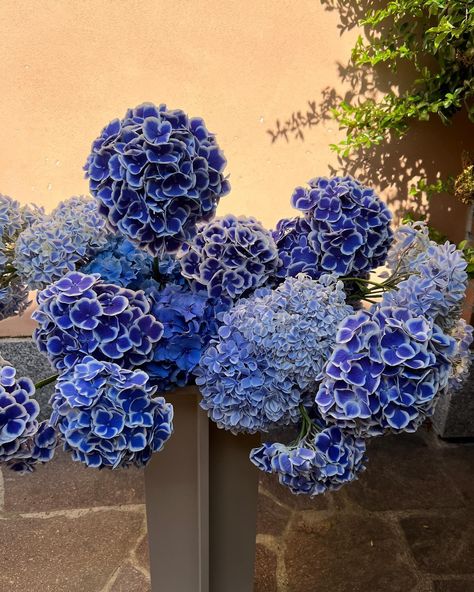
406	526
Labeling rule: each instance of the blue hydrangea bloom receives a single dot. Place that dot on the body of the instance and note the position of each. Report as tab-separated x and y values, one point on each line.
107	416
14	299
240	390
461	360
385	372
60	242
296	251
230	257
438	285
121	263
323	461
410	240
189	321
80	315
293	327
350	225
13	219
23	442
156	173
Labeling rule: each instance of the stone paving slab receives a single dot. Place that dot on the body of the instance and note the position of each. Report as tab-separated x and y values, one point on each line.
406	526
64	484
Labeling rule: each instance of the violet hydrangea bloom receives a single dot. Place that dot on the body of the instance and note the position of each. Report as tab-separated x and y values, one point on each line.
294	326
240	390
156	173
107	416
350	225
59	243
121	263
80	315
321	462
385	372
230	257
189	321
23	441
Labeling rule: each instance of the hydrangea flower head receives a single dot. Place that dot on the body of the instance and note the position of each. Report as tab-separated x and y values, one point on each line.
438	283
294	326
156	173
350	225
57	244
240	390
14	299
107	416
189	321
385	372
230	257
121	263
323	461
80	315
296	250
461	359
23	442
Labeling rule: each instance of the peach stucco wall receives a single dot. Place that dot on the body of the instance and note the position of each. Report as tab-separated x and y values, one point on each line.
69	66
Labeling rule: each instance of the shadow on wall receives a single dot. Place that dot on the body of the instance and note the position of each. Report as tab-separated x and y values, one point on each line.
429	150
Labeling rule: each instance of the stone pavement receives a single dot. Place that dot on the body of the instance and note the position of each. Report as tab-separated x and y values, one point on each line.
406	526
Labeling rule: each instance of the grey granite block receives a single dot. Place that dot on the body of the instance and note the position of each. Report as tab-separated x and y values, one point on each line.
23	354
454	415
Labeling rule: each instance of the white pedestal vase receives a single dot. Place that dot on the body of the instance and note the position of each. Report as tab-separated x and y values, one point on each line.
201	497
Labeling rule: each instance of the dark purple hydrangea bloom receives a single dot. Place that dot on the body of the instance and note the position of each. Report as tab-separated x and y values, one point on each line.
230	257
108	417
189	321
80	315
350	225
385	372
321	462
296	251
156	174
23	442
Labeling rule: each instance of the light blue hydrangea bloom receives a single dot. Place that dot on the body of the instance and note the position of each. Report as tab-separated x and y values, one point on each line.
60	242
294	326
461	359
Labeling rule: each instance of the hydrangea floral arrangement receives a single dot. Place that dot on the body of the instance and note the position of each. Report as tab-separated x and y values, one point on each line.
143	290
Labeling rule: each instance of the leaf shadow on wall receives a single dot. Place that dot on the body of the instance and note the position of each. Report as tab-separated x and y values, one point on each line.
429	150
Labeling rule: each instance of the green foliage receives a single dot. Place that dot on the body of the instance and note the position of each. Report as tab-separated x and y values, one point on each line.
436	38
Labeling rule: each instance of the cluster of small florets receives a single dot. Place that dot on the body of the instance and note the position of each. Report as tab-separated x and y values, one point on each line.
240	389
230	257
107	416
385	372
156	174
293	326
23	442
80	315
437	286
462	333
13	219
323	461
121	263
189	321
59	243
350	225
297	255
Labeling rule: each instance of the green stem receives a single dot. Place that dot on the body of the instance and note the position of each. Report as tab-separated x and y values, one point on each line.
46	381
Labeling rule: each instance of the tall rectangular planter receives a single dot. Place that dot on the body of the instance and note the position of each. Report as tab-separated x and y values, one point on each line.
201	498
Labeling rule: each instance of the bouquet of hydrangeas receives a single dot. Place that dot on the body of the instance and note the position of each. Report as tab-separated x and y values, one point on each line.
142	290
